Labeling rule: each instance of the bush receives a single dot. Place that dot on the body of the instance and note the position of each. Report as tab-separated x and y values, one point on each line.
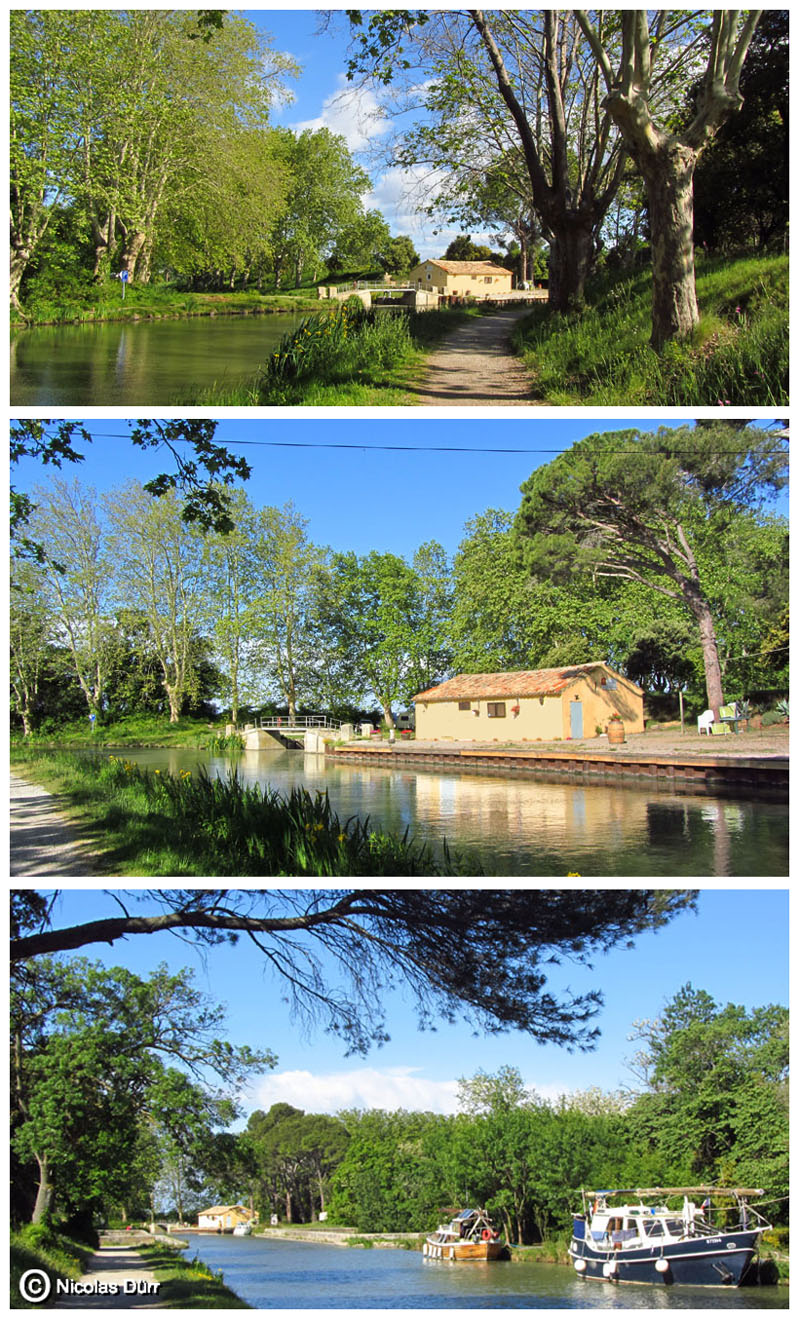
334	346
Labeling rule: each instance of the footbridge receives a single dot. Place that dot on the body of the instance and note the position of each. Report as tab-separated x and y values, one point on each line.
382	295
306	731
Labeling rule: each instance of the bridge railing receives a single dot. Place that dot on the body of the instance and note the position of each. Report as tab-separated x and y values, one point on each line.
287	722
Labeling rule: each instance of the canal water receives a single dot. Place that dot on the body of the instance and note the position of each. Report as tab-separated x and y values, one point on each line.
525	827
311	1276
141	362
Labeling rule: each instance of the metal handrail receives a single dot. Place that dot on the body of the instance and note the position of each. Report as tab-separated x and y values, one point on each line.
289	722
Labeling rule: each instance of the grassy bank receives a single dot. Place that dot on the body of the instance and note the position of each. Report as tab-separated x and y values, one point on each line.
130	731
738	355
188	1285
154	302
154	824
344	355
40	1247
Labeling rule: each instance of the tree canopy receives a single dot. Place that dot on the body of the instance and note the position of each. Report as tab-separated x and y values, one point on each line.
479	955
642	506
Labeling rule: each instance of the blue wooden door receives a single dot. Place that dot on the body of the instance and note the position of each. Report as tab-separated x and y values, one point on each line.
575	719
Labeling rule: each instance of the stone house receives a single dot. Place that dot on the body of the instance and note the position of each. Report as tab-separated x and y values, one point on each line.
529	705
461	279
224	1218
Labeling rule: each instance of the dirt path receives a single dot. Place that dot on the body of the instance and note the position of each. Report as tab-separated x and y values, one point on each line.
43	842
474	366
115	1268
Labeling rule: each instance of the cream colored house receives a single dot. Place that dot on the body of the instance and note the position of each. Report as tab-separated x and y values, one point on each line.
224	1218
529	705
462	279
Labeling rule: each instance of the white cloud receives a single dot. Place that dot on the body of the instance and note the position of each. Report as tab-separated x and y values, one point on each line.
358	1088
353	113
401	194
367	1088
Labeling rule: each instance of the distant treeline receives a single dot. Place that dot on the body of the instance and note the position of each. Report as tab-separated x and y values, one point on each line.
710	1105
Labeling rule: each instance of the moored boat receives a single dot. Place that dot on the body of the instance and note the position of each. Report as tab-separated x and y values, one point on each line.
637	1241
468	1236
243	1230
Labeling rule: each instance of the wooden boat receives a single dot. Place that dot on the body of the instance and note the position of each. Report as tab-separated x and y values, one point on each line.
469	1236
635	1242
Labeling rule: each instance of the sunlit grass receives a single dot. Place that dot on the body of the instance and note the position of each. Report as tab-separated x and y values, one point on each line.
738	354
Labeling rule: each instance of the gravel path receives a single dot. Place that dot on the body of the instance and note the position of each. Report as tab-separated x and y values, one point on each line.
115	1266
43	842
474	366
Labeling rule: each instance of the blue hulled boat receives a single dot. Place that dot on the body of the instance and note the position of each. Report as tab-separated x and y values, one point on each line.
712	1244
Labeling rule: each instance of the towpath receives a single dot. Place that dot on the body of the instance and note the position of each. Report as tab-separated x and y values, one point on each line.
43	842
110	1271
475	367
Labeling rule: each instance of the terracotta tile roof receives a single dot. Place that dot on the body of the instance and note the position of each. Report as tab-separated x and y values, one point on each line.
513	683
468	267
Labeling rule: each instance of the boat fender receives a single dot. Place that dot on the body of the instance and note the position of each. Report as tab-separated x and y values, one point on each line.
580	1266
662	1266
610	1269
486	1235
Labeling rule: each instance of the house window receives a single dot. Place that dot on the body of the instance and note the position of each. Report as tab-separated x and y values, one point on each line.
496	710
487	279
465	705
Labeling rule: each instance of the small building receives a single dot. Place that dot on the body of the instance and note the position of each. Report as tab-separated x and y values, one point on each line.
224	1218
461	279
529	705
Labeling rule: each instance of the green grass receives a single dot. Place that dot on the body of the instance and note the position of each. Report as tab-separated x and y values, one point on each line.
188	1285
155	824
739	354
129	731
38	1246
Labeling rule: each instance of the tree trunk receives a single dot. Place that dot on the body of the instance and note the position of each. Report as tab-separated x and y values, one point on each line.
571	251
670	198
20	256
44	1193
708	642
131	250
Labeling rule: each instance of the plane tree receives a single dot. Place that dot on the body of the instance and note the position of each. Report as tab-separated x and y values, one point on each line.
501	81
667	157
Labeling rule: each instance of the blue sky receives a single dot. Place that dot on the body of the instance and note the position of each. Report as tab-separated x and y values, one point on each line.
363	498
324	98
735	947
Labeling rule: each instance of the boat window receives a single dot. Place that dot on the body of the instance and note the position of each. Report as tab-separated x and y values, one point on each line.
653	1228
675	1226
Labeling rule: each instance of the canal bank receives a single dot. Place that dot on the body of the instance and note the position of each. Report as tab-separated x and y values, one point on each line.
640	758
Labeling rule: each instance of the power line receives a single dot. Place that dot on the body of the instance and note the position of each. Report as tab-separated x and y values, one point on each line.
430	449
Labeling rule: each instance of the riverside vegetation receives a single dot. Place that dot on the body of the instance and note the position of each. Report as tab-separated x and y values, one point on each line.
738	354
155	823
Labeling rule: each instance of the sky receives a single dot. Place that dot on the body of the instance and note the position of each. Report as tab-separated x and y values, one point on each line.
735	947
361	496
323	98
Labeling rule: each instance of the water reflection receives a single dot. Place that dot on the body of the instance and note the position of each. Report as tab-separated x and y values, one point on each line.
515	826
123	362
